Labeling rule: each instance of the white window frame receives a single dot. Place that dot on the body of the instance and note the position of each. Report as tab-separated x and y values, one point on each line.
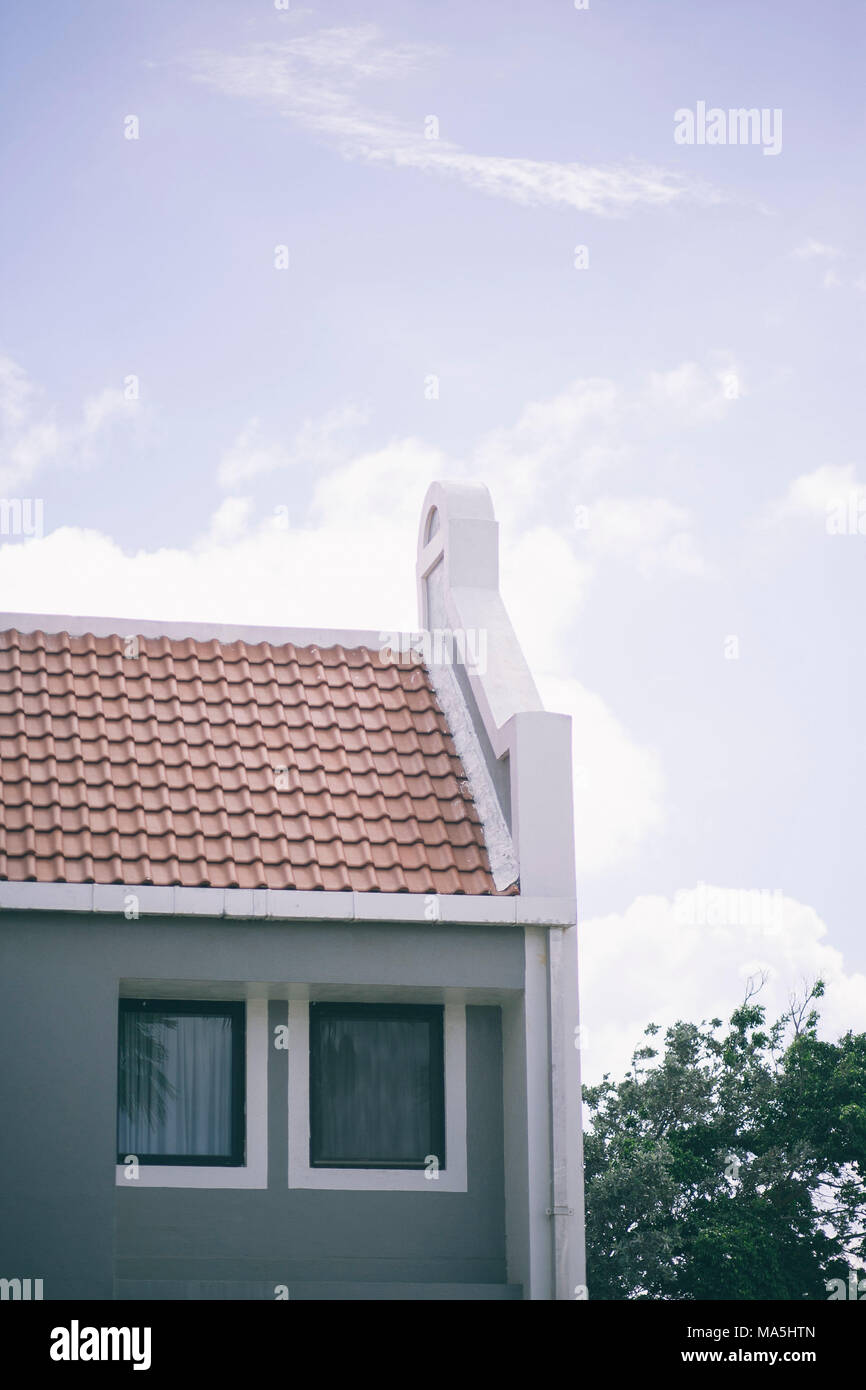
254	1172
452	1178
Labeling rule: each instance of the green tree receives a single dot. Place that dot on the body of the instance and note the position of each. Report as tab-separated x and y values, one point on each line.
733	1166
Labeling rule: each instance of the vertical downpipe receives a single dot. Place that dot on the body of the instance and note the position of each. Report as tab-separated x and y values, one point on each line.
558	1116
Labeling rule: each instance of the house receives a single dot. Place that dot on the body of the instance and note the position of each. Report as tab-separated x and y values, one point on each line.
288	954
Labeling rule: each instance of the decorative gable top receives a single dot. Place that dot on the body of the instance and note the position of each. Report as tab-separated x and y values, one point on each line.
230	764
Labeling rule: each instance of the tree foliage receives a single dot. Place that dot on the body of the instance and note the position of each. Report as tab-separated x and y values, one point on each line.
733	1166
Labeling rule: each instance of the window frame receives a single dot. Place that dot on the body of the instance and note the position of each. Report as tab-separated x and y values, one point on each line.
434	1015
237	1013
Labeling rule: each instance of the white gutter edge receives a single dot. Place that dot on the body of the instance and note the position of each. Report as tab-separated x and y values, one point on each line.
55	623
144	900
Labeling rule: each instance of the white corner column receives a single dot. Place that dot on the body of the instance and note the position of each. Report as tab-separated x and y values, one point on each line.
458	586
567	1198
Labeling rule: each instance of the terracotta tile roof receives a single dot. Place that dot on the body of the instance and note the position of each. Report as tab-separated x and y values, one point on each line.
203	763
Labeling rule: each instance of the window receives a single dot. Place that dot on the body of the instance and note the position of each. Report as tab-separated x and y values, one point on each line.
377	1086
181	1082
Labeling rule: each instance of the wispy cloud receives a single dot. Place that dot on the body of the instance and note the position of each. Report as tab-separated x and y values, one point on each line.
229	523
650	533
555	455
812	249
317	444
823	252
814	496
693	394
313	78
30	437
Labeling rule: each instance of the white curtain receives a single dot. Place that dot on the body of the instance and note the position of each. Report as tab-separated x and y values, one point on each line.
175	1084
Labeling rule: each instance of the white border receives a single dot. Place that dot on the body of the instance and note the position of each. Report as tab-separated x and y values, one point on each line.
452	1178
285	905
254	1173
78	626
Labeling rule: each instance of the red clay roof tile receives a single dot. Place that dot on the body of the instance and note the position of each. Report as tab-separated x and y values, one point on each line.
229	765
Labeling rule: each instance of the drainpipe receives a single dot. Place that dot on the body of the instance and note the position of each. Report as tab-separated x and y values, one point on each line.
566	1138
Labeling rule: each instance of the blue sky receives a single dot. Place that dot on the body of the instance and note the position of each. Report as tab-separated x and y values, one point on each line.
696	388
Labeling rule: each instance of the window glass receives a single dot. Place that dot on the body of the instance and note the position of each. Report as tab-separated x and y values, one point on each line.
376	1085
180	1082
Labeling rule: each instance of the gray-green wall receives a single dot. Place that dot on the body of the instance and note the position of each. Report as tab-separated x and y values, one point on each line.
63	1218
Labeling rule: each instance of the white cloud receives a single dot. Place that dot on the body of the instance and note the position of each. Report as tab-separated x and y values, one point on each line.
102	410
264	575
644	965
30	438
821	251
346	561
693	394
650	533
249	456
554	442
618	785
815	494
381	490
317	444
535	182
356	52
16	393
230	521
543	585
812	249
551	460
311	79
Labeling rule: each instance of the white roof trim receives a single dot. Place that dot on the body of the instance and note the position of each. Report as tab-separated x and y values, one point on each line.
200	632
497	837
458	586
277	905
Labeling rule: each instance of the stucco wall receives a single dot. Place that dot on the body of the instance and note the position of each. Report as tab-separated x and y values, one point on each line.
60	977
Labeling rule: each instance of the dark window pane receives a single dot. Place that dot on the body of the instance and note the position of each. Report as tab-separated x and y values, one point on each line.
377	1088
178	1083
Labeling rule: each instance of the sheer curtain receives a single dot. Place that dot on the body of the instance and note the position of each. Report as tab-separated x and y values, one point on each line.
175	1083
373	1089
